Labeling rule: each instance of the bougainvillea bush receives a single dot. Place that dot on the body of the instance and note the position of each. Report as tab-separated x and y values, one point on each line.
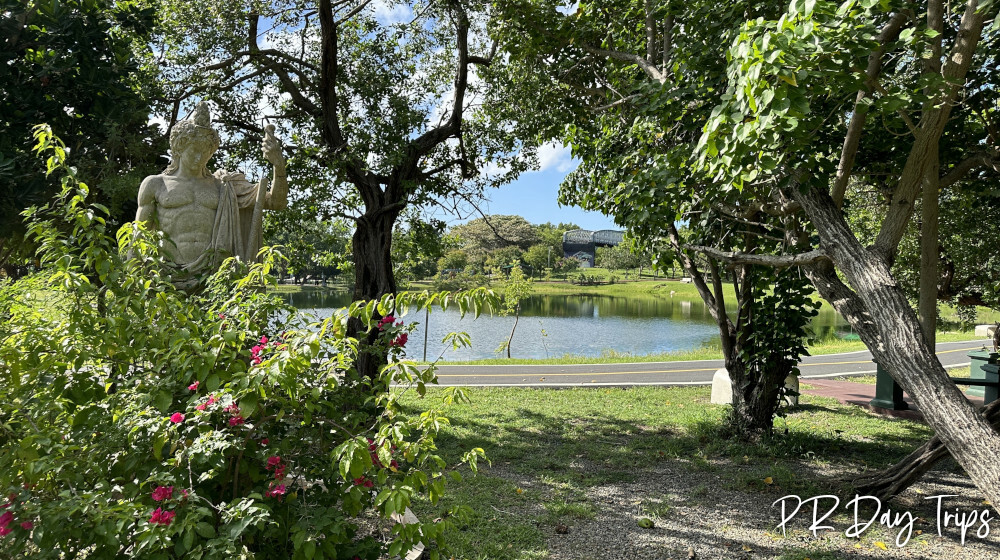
141	422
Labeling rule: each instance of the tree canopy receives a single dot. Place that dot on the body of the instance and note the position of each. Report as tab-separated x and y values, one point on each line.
75	65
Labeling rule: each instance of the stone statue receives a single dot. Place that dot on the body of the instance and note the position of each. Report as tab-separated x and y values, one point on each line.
208	217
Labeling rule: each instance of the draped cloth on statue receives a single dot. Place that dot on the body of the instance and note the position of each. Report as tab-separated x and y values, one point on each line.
237	230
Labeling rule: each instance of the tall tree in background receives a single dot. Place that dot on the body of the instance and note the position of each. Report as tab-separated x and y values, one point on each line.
75	65
379	97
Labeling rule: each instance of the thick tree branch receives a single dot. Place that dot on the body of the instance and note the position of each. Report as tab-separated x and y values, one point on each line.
650	32
650	70
777	261
668	42
427	141
351	13
955	174
727	329
485	60
331	131
889	33
932	121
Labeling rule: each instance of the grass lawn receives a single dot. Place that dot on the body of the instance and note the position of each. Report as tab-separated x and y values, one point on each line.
555	453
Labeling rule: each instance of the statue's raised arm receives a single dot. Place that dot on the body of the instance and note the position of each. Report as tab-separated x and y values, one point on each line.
208	217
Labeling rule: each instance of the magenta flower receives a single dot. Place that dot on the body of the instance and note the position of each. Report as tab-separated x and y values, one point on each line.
273	461
177	418
264	441
387	320
236	420
400	340
6	518
161	493
194	386
275	491
27	525
206	404
4	531
162	517
263	340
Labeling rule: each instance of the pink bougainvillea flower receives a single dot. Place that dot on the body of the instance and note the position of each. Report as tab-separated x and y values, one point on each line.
273	461
400	340
201	406
387	320
263	340
162	517
177	418
27	525
184	494
236	420
264	441
362	481
6	518
194	386
232	408
4	531
161	493
275	491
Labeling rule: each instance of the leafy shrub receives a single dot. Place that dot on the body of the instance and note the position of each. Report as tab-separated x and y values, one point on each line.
140	422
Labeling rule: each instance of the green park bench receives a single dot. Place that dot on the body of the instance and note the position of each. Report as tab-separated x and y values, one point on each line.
984	379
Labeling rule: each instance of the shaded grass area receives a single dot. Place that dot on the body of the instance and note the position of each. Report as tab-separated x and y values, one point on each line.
547	447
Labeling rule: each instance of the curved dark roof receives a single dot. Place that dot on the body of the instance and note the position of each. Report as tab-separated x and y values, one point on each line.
600	237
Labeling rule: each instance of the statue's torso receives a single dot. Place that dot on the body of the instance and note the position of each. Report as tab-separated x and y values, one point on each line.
186	213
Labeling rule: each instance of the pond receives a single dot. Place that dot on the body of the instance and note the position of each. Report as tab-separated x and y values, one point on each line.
552	326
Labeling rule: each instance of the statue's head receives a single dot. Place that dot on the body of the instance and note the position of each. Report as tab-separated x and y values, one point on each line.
195	131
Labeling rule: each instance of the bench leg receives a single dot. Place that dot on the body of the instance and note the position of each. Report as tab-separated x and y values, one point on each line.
888	393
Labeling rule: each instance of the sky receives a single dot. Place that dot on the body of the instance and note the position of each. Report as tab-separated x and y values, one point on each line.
534	195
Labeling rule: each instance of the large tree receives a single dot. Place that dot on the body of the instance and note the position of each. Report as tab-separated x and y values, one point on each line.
379	96
806	98
626	85
74	65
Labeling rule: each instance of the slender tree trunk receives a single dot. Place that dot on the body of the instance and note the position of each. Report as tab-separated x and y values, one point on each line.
929	213
880	313
517	317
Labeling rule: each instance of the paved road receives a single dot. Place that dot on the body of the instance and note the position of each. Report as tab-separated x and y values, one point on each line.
698	372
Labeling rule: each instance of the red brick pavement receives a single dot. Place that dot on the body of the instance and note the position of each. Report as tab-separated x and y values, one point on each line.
860	394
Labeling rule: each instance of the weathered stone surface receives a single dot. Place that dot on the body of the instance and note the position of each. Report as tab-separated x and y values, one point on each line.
722	387
985	331
208	217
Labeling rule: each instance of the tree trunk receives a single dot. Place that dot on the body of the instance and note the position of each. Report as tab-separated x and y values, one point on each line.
517	316
929	213
893	480
879	312
373	278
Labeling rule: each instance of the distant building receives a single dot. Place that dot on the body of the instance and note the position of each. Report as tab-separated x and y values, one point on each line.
582	244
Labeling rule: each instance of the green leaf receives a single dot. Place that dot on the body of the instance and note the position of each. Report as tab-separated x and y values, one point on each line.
162	401
205	530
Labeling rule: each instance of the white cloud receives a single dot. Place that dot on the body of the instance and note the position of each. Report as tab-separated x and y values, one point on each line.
387	12
555	156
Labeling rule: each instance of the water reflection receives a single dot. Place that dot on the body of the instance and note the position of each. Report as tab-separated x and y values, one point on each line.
576	324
